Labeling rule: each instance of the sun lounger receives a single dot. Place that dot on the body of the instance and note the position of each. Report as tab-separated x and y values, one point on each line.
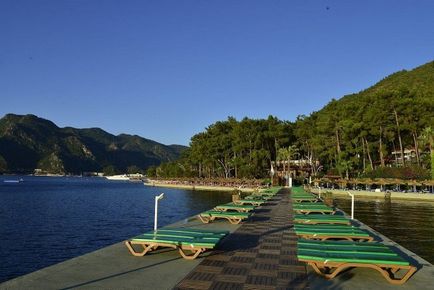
325	232
232	217
321	219
329	258
258	197
234	207
184	240
310	205
313	208
306	198
253	202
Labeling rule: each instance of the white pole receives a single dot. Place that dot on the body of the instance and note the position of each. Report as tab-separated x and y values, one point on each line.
352	204
319	191
157	198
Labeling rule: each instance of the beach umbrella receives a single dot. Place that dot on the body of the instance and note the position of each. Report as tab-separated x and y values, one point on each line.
365	181
342	183
381	182
413	183
429	183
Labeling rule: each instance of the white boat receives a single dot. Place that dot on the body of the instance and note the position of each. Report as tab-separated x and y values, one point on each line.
118	177
13	180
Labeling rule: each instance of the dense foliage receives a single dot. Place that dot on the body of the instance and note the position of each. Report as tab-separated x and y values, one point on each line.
28	142
350	137
359	132
231	148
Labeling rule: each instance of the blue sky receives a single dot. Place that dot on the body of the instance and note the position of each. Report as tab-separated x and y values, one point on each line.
165	70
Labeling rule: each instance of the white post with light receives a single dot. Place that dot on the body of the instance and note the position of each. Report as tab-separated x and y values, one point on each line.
319	191
157	198
352	204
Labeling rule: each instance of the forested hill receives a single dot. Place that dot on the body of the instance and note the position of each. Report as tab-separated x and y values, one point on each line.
28	142
353	136
359	132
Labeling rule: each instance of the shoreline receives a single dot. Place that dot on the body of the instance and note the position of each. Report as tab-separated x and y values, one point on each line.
394	196
153	183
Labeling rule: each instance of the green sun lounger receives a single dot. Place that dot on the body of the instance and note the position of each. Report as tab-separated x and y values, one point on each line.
189	232
329	231
184	240
321	219
258	197
309	205
232	217
301	198
329	258
312	208
253	202
234	207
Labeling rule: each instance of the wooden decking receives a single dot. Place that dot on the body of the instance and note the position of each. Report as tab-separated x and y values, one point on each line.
261	254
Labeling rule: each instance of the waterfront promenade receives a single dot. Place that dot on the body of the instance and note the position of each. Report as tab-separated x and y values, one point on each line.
393	195
259	254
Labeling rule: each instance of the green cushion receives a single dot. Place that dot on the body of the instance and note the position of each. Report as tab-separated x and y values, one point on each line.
364	258
179	241
190	230
235	206
216	213
320	217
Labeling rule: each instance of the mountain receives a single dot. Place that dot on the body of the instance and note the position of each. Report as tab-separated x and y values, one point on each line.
28	142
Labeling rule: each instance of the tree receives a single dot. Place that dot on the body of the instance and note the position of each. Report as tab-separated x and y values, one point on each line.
427	138
3	164
110	170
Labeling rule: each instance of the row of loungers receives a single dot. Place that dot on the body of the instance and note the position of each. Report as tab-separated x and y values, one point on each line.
239	210
192	242
330	244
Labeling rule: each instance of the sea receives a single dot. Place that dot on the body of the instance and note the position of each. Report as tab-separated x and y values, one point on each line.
408	223
47	220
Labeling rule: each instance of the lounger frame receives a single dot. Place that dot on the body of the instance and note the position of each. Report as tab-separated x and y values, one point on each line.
152	246
311	210
207	218
349	237
329	270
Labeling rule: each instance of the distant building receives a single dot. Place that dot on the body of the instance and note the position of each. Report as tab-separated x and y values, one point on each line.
409	155
298	169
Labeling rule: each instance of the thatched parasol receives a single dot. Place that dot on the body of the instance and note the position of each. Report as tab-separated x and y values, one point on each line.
342	182
413	183
429	182
381	182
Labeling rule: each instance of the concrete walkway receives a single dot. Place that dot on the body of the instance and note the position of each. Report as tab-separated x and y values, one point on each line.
114	267
261	254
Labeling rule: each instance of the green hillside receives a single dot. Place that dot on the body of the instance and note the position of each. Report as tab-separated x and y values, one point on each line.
362	134
359	132
28	142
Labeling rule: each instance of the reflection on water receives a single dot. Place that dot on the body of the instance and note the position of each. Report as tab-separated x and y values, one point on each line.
46	220
410	224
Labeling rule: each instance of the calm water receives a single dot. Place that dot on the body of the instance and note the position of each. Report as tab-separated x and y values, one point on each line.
410	224
46	220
